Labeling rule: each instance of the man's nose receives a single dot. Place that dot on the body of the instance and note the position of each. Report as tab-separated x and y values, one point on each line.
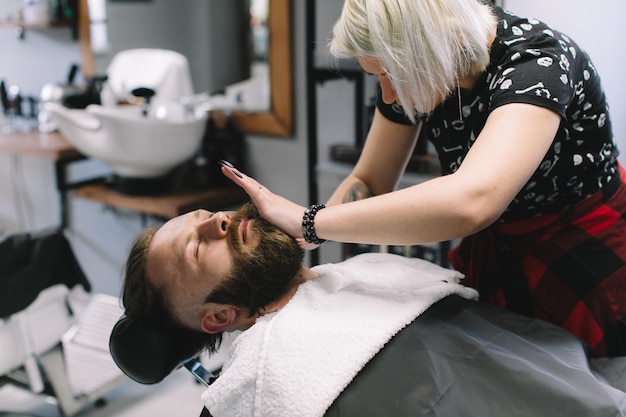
215	226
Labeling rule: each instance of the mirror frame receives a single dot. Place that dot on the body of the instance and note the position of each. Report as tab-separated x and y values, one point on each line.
279	120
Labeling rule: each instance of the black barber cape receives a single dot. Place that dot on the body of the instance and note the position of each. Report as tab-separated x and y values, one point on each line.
30	263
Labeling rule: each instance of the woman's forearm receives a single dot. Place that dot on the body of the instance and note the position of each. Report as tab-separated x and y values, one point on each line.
425	213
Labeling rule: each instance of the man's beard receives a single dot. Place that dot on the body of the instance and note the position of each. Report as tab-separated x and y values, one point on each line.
262	275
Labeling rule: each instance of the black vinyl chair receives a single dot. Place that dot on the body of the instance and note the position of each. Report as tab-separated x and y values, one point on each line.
147	351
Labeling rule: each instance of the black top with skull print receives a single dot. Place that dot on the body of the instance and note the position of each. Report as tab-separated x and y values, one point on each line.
532	63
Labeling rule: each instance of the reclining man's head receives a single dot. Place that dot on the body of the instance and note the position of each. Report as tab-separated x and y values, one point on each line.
211	272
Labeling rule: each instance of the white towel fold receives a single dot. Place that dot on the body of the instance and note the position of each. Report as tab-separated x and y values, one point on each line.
295	362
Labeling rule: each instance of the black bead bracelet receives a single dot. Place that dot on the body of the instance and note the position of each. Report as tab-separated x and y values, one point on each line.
308	224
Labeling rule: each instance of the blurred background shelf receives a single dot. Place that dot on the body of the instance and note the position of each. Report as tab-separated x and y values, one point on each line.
164	206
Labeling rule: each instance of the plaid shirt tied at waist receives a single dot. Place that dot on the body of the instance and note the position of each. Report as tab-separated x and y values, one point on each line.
566	268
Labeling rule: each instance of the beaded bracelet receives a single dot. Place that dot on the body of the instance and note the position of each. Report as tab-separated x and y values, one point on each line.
308	224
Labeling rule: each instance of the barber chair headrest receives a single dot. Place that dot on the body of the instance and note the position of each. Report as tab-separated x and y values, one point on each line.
147	351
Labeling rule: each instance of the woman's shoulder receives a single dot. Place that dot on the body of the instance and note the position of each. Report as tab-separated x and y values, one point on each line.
516	34
532	62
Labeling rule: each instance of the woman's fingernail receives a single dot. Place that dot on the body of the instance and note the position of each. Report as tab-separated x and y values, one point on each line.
227	164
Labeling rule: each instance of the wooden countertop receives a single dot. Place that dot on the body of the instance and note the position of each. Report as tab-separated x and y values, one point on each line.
47	145
168	205
54	146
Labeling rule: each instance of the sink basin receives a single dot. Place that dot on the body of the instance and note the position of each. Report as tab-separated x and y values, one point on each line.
133	145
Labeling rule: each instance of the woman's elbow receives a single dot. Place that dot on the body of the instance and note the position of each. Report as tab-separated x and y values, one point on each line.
479	213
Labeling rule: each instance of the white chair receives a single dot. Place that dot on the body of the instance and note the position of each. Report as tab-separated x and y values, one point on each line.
48	350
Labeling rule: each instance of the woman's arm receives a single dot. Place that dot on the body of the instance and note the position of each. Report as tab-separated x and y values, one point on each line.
384	158
507	152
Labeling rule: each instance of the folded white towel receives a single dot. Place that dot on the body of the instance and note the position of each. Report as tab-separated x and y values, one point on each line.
295	362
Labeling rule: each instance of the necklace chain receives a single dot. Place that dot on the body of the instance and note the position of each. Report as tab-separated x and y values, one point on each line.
458	93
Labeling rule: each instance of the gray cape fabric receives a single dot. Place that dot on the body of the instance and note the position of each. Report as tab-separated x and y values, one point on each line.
464	358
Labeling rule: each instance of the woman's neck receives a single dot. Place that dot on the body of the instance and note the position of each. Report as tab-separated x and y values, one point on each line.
468	82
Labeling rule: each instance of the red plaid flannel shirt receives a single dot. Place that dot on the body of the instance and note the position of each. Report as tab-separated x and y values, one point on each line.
566	268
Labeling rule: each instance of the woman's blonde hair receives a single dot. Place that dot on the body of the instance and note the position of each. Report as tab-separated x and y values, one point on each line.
424	46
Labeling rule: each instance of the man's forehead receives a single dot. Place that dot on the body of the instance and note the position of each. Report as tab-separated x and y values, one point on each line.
161	244
176	222
161	238
175	225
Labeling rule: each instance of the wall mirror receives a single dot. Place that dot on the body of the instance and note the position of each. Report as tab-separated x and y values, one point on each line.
152	24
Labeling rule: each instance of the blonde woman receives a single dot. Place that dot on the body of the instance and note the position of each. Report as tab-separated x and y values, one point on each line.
531	180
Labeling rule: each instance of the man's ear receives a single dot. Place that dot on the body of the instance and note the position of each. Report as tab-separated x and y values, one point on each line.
218	319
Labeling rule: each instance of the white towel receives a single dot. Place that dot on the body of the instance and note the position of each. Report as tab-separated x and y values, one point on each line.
295	362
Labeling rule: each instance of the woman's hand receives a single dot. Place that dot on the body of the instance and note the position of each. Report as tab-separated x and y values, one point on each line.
277	210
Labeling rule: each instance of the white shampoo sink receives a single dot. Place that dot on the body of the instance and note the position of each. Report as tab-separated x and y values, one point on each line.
133	145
